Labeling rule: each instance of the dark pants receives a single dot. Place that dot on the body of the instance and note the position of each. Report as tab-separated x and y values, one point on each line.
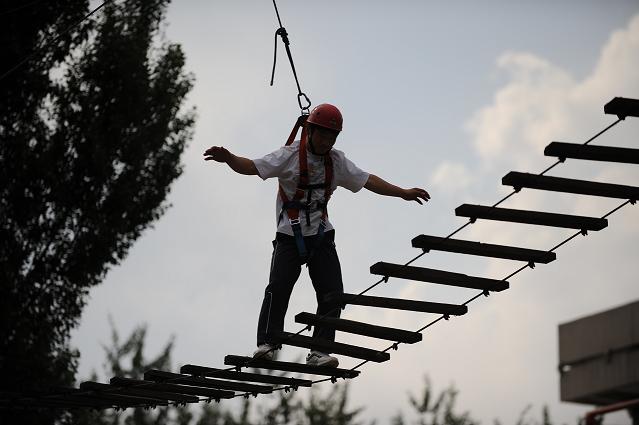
325	273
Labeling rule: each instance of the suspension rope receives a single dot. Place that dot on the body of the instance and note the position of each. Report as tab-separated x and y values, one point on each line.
281	31
46	43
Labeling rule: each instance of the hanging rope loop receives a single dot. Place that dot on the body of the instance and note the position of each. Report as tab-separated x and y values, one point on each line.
281	31
302	99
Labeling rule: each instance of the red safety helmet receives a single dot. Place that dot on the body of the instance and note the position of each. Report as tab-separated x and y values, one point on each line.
327	116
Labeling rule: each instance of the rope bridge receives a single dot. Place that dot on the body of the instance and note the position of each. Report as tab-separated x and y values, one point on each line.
197	383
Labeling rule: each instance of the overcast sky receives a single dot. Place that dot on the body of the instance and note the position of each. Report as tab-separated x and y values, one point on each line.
448	96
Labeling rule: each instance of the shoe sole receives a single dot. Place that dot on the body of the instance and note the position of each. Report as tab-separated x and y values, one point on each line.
263	356
327	363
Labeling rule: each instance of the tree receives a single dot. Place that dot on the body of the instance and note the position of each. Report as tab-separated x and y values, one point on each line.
436	410
331	409
91	134
127	359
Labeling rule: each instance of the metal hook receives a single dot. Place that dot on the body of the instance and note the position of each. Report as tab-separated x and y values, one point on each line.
304	109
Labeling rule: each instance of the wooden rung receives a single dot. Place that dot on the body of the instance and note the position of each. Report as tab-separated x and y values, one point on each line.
74	397
242	361
559	184
359	328
176	378
459	246
592	152
139	392
76	402
242	376
64	396
326	346
397	304
122	399
175	388
531	217
438	276
71	401
622	107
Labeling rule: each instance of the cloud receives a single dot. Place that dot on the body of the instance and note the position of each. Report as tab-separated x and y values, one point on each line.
450	176
543	102
529	108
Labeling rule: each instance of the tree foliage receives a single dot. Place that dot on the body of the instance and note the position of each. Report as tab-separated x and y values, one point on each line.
127	358
91	134
432	409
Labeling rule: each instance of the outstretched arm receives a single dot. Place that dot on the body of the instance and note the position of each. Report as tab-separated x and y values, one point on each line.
237	163
382	187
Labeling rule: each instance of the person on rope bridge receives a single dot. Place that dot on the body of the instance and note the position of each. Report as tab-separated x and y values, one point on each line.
308	170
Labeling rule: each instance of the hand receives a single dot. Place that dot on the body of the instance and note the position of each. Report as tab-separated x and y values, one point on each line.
416	194
217	153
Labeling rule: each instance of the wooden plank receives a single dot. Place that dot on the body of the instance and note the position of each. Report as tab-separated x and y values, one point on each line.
59	397
68	397
242	376
138	392
123	400
438	276
67	404
427	243
622	107
397	304
66	401
71	404
175	388
176	378
242	361
592	152
559	184
327	346
360	328
531	217
144	392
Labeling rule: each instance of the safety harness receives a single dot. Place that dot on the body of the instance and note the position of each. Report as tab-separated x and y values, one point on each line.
305	190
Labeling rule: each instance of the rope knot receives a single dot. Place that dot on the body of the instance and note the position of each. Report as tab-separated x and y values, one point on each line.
281	31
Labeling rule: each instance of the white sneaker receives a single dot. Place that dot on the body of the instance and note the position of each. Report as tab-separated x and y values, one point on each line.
317	358
265	352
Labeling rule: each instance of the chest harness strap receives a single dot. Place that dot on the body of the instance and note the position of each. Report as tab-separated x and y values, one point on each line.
296	204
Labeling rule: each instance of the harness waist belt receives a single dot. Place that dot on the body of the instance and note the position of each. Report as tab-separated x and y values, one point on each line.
298	205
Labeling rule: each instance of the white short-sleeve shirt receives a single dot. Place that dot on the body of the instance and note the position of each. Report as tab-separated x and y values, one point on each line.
284	164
